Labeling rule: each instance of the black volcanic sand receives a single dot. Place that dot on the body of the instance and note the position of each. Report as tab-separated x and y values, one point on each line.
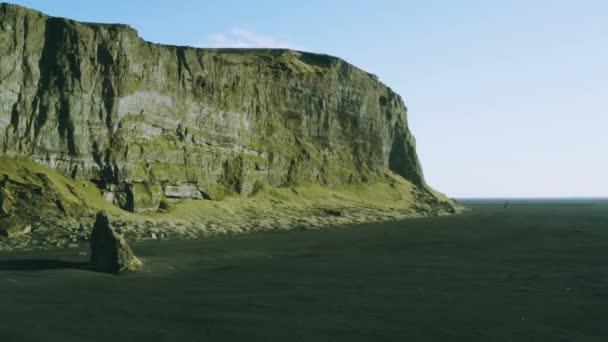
532	272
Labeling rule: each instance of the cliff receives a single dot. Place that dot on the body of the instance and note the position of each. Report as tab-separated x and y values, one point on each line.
148	122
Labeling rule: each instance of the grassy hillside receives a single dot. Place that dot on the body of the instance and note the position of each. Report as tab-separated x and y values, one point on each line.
48	209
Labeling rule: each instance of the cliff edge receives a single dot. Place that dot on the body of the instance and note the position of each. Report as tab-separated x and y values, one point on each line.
148	123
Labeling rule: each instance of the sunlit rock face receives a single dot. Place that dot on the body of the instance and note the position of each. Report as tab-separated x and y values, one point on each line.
147	121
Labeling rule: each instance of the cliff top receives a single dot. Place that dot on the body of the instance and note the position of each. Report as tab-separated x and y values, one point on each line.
303	61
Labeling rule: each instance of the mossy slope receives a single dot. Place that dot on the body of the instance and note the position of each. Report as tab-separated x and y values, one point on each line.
48	209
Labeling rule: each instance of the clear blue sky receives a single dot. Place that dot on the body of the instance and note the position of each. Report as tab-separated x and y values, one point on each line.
506	98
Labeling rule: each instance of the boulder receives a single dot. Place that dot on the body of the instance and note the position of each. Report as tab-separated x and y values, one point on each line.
145	197
109	250
334	212
184	191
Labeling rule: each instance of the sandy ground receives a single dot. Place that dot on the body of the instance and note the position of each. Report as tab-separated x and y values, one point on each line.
533	272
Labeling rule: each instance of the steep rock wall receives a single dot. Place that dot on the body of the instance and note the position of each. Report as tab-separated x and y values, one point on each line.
146	121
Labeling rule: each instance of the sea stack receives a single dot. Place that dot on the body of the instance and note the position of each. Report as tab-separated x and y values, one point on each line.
110	252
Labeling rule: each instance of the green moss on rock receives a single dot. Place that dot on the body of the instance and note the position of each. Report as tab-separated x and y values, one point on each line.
146	197
96	102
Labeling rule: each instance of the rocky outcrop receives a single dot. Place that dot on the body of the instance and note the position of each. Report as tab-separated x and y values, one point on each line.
29	196
147	121
109	250
6	202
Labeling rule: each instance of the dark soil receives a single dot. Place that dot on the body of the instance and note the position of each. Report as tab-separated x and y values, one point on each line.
531	272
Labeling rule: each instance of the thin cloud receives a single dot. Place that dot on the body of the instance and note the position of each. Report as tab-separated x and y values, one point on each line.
242	38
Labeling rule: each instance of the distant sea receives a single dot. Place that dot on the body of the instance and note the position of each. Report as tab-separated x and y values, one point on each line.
535	201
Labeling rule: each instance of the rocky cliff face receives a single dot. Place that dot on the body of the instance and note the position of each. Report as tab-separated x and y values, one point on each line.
147	121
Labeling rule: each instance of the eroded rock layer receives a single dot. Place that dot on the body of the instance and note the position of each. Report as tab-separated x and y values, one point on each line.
147	121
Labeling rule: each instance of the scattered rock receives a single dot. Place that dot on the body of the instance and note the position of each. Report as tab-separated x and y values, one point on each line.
109	250
27	229
334	212
153	236
119	224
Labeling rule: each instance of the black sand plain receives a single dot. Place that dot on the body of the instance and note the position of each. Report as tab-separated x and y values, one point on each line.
536	271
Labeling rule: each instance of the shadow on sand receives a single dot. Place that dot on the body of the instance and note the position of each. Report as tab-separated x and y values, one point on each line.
41	265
